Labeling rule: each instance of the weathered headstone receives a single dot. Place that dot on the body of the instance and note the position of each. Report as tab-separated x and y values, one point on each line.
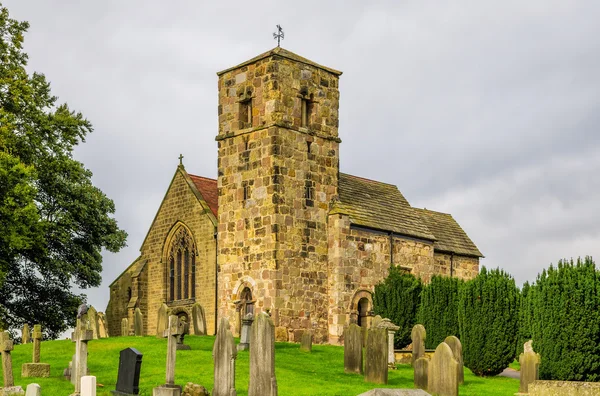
376	320
244	344
376	360
306	341
262	357
176	327
88	385
186	330
192	389
395	392
224	355
442	378
6	346
102	326
92	316
418	336
80	336
456	346
353	352
73	369
138	323
36	369
421	367
528	346
25	334
33	390
198	319
162	320
124	327
530	364
391	332
128	378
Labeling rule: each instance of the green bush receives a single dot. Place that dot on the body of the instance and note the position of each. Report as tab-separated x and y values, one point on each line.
524	318
566	321
438	310
397	298
487	318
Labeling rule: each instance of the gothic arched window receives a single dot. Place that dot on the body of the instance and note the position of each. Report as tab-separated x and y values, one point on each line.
181	270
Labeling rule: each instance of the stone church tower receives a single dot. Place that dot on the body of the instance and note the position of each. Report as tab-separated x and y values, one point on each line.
277	174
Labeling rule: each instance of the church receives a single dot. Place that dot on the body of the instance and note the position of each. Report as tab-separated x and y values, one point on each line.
281	229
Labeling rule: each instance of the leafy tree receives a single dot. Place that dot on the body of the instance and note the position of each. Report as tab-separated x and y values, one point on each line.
397	298
487	318
438	310
525	317
54	221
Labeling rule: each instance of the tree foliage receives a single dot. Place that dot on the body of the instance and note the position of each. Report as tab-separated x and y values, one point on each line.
397	298
438	310
55	222
487	318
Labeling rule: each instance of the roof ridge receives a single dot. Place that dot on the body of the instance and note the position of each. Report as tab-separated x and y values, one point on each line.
371	180
434	211
202	177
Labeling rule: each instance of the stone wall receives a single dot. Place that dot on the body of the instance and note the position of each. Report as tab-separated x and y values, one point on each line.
464	267
564	388
119	299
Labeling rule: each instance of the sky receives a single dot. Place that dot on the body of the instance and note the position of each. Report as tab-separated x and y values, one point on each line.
488	110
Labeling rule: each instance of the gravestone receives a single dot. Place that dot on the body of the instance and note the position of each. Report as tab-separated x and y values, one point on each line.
198	319
375	322
128	378
528	346
92	316
138	323
376	359
33	390
442	378
418	336
174	330
306	341
421	367
244	344
124	327
353	352
25	334
530	364
80	336
395	392
88	385
224	355
262	357
391	332
162	320
6	346
186	330
36	369
456	346
73	369
102	326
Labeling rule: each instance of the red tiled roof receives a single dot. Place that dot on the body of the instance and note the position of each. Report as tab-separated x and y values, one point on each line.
208	189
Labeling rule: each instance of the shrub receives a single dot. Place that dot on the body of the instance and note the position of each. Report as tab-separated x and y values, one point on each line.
397	298
438	310
525	315
487	317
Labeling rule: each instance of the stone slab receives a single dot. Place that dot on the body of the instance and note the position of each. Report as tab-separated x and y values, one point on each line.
12	391
564	388
395	392
35	370
173	390
88	385
33	390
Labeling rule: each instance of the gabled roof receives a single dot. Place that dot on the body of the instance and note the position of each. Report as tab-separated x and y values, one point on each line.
378	205
208	188
450	237
285	54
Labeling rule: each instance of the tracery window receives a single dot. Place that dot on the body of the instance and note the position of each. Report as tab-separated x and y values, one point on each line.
181	283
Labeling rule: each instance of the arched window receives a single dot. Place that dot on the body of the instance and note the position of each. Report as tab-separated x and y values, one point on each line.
181	284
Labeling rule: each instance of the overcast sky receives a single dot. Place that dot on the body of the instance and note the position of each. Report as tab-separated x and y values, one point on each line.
488	110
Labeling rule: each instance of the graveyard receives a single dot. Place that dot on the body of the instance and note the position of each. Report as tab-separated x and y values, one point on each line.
320	372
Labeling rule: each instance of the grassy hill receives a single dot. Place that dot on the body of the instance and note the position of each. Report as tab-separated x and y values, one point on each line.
318	373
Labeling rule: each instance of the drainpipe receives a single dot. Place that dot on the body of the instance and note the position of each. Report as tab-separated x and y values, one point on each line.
216	280
451	264
391	249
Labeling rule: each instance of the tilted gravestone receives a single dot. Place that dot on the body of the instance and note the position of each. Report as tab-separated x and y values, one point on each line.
6	346
124	327
530	364
376	359
442	378
138	323
224	355
92	316
25	334
102	326
418	336
162	320
176	327
376	320
36	369
421	367
244	344
198	319
456	346
353	352
306	341
262	357
128	378
33	390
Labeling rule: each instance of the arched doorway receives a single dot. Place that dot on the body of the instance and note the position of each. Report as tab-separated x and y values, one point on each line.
363	311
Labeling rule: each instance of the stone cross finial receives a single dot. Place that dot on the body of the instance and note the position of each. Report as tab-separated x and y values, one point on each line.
180	159
279	35
6	346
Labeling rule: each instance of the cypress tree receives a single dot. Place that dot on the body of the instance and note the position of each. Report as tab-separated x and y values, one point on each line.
525	317
487	317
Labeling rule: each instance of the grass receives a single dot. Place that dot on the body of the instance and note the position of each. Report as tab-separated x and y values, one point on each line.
298	374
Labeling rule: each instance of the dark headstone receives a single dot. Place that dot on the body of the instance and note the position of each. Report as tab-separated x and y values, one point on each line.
353	352
376	361
128	379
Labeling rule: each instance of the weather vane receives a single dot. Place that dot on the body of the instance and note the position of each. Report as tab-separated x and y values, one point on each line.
279	35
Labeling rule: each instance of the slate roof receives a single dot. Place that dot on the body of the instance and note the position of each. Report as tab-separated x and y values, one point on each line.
209	190
450	237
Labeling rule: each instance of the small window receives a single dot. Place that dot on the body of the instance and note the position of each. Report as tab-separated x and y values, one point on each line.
246	113
246	188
